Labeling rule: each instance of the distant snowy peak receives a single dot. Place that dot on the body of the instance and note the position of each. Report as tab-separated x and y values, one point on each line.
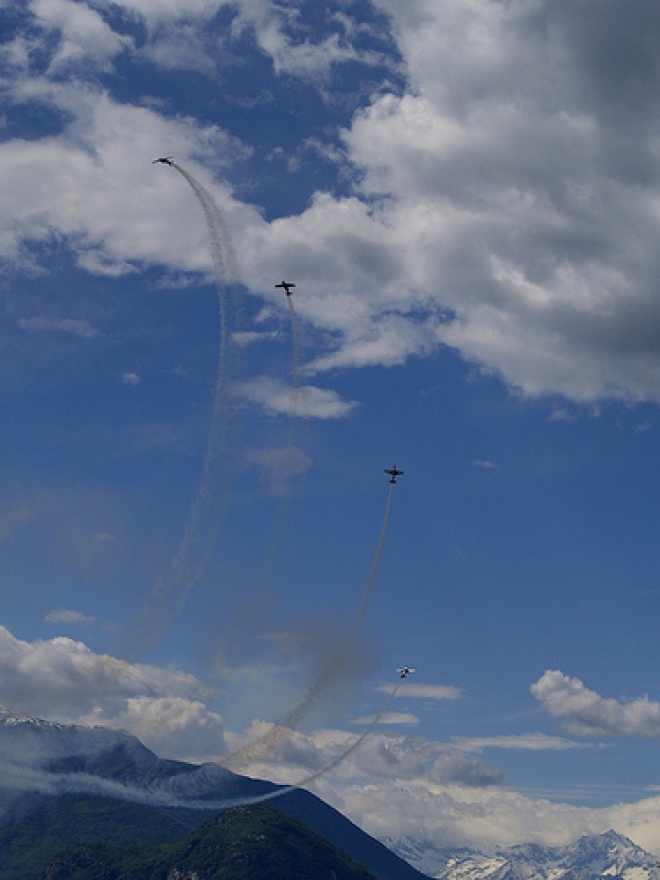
453	864
48	744
11	719
593	857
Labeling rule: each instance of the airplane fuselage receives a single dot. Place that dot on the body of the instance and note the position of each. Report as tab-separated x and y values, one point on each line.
394	473
286	286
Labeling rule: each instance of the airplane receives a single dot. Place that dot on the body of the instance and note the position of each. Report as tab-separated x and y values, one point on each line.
286	286
394	473
164	160
406	670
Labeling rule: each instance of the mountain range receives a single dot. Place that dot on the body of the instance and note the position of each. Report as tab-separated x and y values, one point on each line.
609	855
79	802
67	786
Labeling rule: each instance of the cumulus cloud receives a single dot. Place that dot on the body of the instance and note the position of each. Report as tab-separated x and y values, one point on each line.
586	713
502	215
514	218
91	186
84	35
281	33
178	38
380	756
484	818
498	214
166	708
515	199
173	727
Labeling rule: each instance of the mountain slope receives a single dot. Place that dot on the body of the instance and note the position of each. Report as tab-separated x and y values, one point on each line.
243	843
322	818
35	828
66	784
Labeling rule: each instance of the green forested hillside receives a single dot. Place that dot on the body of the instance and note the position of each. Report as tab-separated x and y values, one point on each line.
38	828
244	843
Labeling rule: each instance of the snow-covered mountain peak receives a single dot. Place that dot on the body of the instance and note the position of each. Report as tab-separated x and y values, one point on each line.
592	857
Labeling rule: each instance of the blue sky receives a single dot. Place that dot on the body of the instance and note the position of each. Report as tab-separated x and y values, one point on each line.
467	197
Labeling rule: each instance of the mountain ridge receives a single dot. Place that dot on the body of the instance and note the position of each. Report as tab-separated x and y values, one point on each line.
81	779
591	857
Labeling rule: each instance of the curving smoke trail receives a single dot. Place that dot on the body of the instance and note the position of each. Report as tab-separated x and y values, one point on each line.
331	671
187	787
211	500
355	745
189	790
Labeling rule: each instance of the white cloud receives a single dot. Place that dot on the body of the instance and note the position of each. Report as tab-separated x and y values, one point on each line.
308	401
63	674
533	742
85	37
68	615
509	199
250	337
586	713
173	727
72	326
281	35
500	214
94	186
166	708
424	691
485	464
406	718
488	218
484	818
279	466
380	756
178	34
561	414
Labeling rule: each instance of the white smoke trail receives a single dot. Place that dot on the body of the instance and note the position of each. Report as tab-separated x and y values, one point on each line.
282	513
332	670
211	500
189	790
355	745
18	777
366	595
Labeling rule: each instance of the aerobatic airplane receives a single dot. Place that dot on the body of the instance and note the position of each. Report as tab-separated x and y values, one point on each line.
165	160
394	473
286	286
406	670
